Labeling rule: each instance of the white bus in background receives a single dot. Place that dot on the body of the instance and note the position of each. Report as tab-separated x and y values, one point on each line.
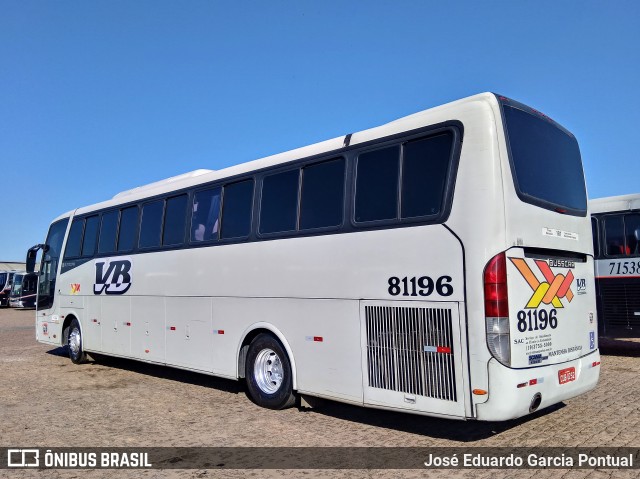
6	280
440	264
23	290
616	239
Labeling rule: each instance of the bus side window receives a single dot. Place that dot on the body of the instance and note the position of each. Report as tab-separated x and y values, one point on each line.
128	227
322	195
74	241
424	175
175	219
594	234
632	230
614	236
237	203
377	184
151	224
107	241
90	235
279	205
205	215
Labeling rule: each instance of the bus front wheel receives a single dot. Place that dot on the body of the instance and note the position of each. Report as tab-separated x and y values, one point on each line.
268	373
74	343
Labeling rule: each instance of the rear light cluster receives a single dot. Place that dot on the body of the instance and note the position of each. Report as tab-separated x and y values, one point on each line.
496	308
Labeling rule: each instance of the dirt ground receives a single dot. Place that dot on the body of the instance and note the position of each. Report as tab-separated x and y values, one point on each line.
46	401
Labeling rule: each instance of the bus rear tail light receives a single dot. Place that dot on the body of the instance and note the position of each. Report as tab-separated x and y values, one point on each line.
496	308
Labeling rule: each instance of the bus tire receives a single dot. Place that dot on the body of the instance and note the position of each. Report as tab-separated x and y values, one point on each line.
268	373
74	343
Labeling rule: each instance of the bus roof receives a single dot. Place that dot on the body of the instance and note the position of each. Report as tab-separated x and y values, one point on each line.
435	115
615	203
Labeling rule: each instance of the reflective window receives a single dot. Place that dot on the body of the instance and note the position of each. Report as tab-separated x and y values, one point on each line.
322	196
205	215
594	233
546	160
74	239
236	209
279	204
90	235
108	229
377	185
632	233
128	228
151	224
49	264
614	235
424	175
175	220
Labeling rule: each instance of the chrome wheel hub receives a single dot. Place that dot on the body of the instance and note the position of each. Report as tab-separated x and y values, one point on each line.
74	342
268	371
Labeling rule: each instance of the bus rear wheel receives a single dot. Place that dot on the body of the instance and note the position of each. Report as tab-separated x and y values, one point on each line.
268	373
74	343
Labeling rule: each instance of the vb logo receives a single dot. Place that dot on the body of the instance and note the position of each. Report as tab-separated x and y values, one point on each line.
113	276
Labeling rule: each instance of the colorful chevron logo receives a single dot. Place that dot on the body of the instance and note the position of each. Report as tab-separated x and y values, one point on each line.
75	288
549	291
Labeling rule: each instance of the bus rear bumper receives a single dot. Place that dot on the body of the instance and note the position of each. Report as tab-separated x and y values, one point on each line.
515	393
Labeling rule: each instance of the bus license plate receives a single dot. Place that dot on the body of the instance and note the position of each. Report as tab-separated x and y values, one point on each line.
567	375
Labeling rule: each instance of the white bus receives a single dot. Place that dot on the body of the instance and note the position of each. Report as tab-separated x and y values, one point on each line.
440	264
23	290
6	280
616	240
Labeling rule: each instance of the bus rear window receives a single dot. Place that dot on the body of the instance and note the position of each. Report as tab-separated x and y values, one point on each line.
545	162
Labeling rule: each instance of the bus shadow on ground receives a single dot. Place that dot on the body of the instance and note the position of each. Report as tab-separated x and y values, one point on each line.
619	347
454	430
159	371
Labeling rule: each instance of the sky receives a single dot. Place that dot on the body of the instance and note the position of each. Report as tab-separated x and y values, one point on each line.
97	97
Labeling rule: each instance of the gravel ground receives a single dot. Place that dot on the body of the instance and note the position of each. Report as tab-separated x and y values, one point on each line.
46	401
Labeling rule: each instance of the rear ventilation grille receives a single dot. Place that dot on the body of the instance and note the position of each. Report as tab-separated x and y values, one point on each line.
620	303
410	350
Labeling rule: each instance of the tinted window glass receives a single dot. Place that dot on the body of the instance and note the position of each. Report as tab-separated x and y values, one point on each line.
107	242
322	195
546	160
175	219
205	215
594	233
151	224
614	234
90	235
279	208
74	240
377	185
236	209
632	228
49	264
424	173
30	283
128	228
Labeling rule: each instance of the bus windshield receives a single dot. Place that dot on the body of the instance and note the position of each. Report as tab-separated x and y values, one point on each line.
16	289
546	162
3	279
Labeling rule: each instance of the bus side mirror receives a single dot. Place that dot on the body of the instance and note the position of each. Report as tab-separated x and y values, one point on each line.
31	257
